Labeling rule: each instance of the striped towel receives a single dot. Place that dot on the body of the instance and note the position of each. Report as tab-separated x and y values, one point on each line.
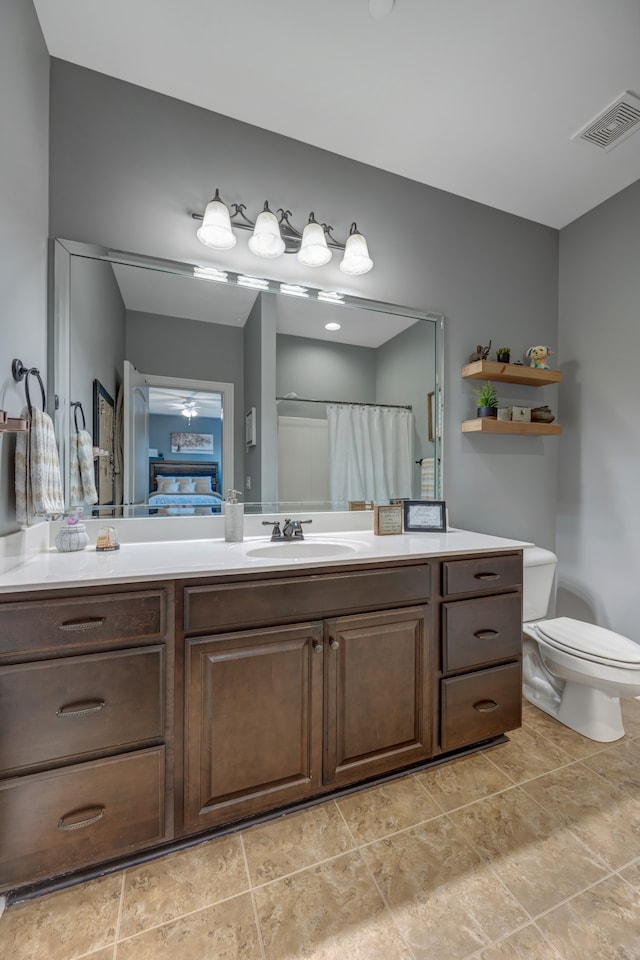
83	484
427	488
38	483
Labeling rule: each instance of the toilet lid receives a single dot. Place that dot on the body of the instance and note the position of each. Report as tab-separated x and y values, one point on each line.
590	642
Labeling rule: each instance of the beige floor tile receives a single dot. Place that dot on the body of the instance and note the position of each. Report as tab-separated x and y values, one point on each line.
631	716
462	781
295	841
178	883
446	901
619	765
379	811
64	925
332	911
632	874
526	944
602	924
538	858
225	931
563	737
527	755
604	817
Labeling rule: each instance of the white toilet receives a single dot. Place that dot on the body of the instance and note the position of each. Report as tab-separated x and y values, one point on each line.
573	670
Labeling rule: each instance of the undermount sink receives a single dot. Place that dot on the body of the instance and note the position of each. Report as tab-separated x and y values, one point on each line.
304	549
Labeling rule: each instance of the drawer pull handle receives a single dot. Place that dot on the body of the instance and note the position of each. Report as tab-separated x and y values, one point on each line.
80	709
94	814
317	647
486	634
334	644
487	576
485	706
82	624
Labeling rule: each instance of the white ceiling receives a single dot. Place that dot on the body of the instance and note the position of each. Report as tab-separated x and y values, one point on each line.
476	97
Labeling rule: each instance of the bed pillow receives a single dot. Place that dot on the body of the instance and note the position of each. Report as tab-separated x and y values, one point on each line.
187	485
203	485
167	485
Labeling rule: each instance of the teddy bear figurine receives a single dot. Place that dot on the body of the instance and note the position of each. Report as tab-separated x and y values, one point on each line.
538	356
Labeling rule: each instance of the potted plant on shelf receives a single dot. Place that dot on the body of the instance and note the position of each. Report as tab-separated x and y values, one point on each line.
487	400
503	354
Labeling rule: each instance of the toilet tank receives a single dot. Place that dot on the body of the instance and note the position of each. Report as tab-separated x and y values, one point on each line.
539	571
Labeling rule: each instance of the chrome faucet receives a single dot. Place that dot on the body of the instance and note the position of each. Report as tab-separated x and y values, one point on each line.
291	529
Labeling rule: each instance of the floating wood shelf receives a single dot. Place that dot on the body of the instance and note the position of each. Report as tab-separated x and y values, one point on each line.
519	427
13	425
510	373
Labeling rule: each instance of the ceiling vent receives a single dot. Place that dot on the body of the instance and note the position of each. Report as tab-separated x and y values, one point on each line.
615	124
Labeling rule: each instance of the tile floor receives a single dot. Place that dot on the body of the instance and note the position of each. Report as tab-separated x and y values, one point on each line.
529	850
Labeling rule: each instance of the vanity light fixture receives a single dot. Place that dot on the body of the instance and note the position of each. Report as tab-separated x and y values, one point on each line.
330	296
274	235
256	282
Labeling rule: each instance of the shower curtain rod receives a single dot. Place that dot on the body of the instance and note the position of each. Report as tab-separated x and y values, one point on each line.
349	403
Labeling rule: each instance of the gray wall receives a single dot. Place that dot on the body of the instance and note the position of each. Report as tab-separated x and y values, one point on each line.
96	349
260	461
128	166
322	370
24	189
598	502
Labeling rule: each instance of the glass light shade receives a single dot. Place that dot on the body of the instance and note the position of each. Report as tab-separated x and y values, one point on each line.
216	229
265	241
356	259
313	251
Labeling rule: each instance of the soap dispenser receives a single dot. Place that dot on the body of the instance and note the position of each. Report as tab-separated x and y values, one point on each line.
233	517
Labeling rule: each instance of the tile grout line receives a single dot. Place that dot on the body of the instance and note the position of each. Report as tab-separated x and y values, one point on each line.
253	898
390	910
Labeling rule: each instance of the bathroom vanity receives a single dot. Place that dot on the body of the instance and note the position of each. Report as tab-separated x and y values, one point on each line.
138	711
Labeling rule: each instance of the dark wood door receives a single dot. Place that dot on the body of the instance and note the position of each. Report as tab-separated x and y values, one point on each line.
378	693
253	737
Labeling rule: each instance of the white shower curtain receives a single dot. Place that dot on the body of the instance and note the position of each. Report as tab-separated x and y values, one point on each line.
369	452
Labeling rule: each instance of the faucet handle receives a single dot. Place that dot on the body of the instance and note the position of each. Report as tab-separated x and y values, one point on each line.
276	533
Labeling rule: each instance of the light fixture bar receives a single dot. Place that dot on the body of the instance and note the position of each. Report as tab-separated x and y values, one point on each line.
274	234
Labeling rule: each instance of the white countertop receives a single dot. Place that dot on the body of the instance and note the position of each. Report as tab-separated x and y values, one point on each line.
144	561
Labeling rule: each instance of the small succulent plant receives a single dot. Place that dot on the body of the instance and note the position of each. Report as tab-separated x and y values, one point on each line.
486	395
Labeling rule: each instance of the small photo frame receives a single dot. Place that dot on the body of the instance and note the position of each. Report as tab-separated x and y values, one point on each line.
429	516
387	519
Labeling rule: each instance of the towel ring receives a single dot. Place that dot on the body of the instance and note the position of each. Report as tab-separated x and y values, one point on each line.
78	406
20	372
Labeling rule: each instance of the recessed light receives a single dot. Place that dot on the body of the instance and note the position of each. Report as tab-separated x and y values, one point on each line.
332	326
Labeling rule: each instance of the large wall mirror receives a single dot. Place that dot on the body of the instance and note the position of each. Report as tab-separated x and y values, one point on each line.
296	397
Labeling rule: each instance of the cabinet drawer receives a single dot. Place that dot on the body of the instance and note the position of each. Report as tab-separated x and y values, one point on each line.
41	625
55	822
286	599
481	705
481	632
54	710
482	573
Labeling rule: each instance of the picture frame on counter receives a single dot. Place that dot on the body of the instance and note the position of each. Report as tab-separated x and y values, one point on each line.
387	519
427	516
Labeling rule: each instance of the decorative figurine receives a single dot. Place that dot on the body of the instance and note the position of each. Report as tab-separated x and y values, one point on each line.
480	353
539	356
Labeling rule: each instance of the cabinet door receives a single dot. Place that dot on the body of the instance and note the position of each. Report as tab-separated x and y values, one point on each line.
378	693
253	737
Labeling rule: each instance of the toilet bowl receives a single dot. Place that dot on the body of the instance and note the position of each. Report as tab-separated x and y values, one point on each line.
573	670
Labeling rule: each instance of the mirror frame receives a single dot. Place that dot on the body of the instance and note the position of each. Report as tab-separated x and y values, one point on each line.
58	392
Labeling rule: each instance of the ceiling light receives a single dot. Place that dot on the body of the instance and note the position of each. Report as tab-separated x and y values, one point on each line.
330	296
190	409
256	282
273	235
211	273
293	290
332	326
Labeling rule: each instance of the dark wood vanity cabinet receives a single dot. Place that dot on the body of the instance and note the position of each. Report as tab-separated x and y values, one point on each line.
287	686
277	714
481	631
83	730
